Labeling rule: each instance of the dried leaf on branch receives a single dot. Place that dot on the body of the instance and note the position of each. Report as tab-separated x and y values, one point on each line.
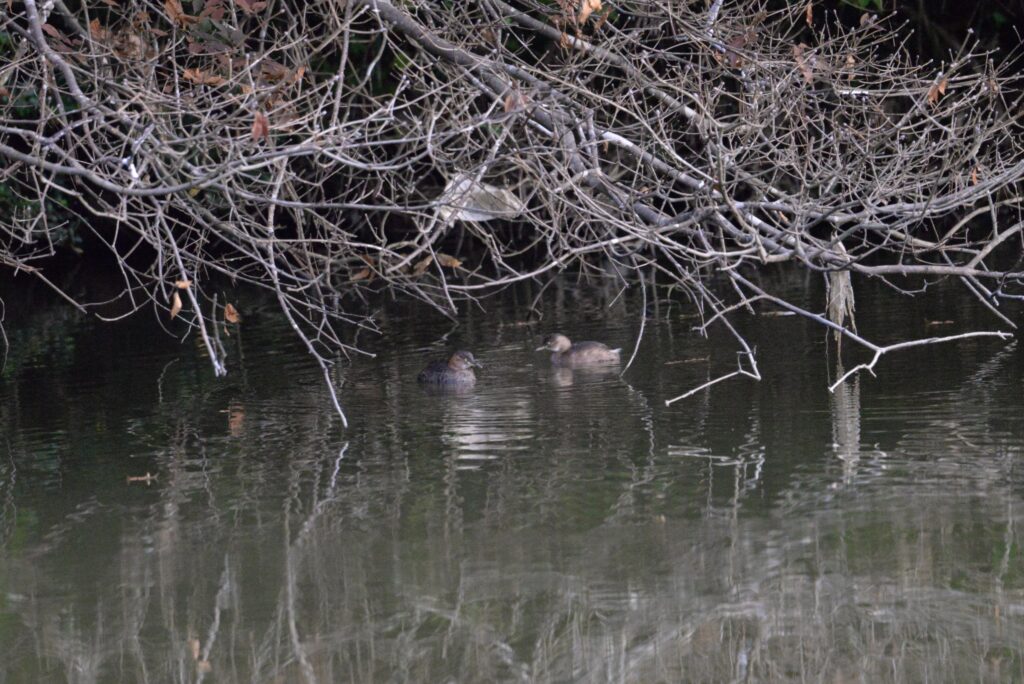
176	13
803	63
587	7
260	127
422	265
936	91
251	6
448	261
202	78
175	304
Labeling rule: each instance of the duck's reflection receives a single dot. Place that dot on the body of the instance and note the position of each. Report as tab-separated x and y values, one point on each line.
478	425
567	377
447	390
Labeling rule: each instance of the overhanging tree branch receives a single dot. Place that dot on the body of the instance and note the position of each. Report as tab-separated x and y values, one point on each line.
306	148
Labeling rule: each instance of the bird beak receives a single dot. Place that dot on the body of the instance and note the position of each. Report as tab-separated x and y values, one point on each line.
541	349
477	364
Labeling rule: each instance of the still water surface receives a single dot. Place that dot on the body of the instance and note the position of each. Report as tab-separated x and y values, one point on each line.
550	526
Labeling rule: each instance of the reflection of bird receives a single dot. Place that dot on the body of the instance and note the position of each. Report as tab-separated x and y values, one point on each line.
845	406
565	353
465	199
457	370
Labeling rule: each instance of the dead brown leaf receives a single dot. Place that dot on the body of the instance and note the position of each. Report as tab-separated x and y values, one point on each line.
809	14
448	260
564	41
63	43
231	314
260	127
366	272
175	304
737	43
200	77
251	7
936	91
193	648
97	31
273	71
422	265
515	100
214	9
587	7
605	13
176	13
204	666
182	284
802	63
974	176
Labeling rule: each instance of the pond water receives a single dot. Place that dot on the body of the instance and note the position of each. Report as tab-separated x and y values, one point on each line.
548	526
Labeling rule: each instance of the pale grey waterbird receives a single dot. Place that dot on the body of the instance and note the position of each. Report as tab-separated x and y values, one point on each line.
565	353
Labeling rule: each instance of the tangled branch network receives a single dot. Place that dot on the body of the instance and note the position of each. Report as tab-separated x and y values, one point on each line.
322	149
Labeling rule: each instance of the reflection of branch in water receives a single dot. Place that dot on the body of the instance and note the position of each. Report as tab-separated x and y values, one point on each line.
708	598
8	509
639	477
292	561
221	601
981	379
971	416
295	550
845	408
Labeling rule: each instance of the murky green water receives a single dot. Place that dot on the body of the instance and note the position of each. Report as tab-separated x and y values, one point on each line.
548	526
